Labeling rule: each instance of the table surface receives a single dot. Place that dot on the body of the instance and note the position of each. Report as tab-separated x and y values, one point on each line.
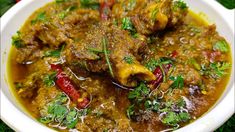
229	126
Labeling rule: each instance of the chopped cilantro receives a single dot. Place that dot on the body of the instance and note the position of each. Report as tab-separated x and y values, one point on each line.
218	69
49	79
54	53
63	14
151	105
221	46
152	63
92	4
41	17
130	111
18	85
171	119
180	4
71	119
128	59
127	25
139	93
178	82
57	111
17	41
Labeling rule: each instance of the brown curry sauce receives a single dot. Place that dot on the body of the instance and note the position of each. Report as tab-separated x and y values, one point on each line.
194	38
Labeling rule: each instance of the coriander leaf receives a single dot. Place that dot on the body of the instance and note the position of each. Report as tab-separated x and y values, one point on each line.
178	82
127	25
41	17
45	120
147	104
92	4
83	112
221	46
171	119
180	4
48	79
152	64
139	93
218	69
181	103
130	111
128	59
184	116
18	85
71	119
17	41
52	53
63	14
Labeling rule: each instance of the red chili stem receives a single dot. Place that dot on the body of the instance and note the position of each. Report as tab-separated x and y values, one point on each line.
66	85
159	75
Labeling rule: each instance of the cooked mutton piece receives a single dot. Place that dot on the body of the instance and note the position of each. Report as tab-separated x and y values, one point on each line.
149	16
107	48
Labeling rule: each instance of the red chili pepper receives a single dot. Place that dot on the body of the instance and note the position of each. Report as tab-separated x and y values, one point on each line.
105	8
17	1
174	54
159	75
66	85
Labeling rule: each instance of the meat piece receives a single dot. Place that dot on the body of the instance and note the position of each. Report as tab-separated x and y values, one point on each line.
150	16
120	45
53	33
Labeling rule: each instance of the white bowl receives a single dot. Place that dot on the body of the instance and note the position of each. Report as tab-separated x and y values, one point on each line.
15	116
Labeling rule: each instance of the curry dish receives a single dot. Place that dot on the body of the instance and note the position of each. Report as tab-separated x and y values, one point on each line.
124	65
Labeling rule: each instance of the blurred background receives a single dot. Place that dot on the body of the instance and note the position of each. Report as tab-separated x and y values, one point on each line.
229	126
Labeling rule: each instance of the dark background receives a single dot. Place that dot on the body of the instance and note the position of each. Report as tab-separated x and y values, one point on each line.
229	126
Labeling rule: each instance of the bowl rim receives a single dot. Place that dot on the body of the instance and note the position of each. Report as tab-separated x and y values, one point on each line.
7	107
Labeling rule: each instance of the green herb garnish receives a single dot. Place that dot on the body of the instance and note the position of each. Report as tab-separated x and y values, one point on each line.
219	69
180	4
54	53
178	82
92	4
49	79
152	63
130	111
63	14
105	43
221	46
128	59
127	25
17	41
71	119
139	93
41	17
